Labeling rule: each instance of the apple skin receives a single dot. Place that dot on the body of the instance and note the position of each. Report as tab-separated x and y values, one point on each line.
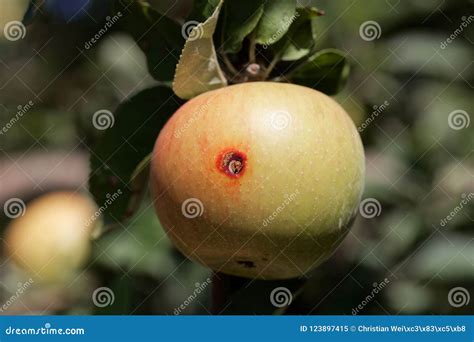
51	241
291	203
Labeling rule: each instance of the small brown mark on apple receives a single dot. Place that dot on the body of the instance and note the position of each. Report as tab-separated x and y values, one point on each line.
232	163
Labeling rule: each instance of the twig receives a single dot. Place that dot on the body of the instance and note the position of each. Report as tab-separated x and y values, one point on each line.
272	65
252	57
229	65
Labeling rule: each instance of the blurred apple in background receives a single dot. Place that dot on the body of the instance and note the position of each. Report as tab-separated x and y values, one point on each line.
50	237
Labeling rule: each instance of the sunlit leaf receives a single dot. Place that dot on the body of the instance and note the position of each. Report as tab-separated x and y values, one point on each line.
198	70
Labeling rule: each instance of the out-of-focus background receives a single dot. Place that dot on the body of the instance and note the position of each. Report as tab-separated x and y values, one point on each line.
410	93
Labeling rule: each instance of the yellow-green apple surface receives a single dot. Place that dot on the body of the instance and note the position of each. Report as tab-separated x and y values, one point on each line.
51	239
260	180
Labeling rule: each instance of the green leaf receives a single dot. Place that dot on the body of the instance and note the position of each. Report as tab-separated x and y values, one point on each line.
276	20
123	146
301	37
158	36
239	20
326	70
142	249
300	45
198	69
203	9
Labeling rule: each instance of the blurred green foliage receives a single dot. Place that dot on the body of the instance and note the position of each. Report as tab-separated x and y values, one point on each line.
402	88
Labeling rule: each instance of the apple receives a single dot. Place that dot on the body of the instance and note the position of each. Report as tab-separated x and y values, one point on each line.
260	180
51	239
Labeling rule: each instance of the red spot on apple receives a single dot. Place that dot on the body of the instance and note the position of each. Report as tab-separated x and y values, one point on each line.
231	162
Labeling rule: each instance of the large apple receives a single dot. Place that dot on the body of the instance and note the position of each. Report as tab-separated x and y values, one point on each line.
259	180
51	239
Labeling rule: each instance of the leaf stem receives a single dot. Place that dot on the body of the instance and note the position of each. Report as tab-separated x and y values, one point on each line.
229	65
272	65
252	57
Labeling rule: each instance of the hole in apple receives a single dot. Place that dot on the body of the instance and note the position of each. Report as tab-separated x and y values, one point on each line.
246	263
232	163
